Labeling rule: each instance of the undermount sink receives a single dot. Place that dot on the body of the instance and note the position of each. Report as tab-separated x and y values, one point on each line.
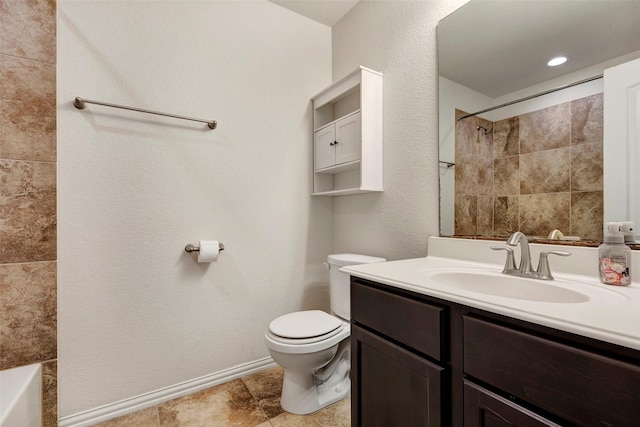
500	285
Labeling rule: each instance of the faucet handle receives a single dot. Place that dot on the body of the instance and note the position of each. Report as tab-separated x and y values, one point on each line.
510	262
544	272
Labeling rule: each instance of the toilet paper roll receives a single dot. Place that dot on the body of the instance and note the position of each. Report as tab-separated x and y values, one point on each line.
209	250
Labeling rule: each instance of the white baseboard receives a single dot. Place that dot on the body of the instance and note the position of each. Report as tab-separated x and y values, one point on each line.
137	403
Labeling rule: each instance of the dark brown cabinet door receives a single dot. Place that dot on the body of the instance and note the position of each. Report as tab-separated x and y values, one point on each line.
485	409
392	386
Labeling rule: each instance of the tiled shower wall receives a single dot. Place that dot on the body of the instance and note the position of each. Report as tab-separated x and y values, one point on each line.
535	172
28	191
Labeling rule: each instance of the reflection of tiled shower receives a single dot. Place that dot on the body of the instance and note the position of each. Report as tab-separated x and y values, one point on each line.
535	172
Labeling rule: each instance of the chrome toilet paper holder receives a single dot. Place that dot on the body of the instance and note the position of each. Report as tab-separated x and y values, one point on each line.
193	248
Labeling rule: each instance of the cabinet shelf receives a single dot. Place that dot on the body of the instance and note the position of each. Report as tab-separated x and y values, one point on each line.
342	167
345	192
347	118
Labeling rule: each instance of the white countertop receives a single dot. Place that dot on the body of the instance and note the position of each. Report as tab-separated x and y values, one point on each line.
611	314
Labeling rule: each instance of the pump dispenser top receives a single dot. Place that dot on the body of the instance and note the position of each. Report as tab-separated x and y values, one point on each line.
613	233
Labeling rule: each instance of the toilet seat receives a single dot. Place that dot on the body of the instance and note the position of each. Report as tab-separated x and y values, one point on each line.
306	332
304	327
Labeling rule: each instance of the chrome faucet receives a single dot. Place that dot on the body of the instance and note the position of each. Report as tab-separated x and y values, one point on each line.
525	253
524	267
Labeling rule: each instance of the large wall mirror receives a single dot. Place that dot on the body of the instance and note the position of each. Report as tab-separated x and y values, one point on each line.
532	147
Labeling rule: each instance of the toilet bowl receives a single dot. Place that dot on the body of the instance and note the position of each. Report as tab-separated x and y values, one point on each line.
314	347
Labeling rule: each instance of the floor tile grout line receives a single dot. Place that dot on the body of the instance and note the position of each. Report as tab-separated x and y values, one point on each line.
158	415
255	400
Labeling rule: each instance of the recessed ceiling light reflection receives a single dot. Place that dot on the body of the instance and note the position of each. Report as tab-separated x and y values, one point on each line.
557	61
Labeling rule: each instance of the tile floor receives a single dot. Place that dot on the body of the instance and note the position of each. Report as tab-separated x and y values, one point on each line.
251	401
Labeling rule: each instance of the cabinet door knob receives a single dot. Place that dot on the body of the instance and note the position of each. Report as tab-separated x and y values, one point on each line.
333	143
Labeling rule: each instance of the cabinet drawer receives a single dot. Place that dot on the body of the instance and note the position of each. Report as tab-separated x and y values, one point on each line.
582	387
413	323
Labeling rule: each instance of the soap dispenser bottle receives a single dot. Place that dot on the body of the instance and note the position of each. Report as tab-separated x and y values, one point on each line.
615	257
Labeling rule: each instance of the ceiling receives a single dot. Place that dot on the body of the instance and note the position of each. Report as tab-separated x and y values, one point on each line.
472	41
497	47
327	12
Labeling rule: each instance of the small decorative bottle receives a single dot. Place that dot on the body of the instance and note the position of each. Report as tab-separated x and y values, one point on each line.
615	257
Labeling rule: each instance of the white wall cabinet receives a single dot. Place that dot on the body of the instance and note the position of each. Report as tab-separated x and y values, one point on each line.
338	142
347	119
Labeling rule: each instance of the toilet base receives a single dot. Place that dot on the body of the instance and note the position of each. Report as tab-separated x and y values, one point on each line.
307	392
301	396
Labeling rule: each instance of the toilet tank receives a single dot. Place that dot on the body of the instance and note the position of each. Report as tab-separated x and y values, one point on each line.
339	286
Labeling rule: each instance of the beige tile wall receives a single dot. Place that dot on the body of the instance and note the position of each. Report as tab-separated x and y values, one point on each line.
28	290
535	172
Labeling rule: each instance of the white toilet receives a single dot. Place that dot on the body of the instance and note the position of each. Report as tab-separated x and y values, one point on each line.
313	347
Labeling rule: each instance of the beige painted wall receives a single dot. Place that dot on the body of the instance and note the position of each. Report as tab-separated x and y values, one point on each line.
136	312
397	38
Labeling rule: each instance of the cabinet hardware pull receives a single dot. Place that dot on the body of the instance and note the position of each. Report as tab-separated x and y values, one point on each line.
333	143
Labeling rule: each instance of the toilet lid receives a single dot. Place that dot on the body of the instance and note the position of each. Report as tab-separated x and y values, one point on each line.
304	324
